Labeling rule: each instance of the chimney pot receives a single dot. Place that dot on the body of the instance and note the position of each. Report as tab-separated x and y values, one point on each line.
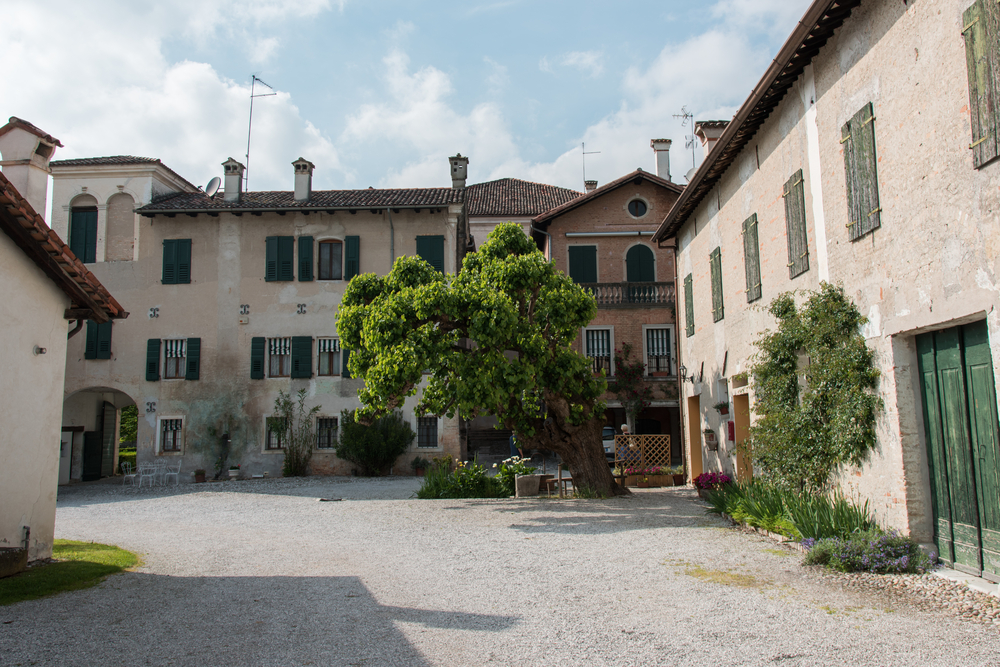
459	170
25	151
709	132
234	179
661	150
590	186
303	179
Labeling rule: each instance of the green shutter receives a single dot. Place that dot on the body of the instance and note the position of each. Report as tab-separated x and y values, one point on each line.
981	27
301	357
152	359
794	192
286	258
431	249
345	355
689	305
183	261
193	359
257	347
352	256
169	275
104	340
83	235
639	265
715	261
860	162
583	263
271	259
751	258
305	258
90	348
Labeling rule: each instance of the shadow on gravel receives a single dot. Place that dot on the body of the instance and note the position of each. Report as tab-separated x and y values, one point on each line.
151	619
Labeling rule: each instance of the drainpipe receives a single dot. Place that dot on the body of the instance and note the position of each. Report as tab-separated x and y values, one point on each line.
681	402
548	243
27	537
75	330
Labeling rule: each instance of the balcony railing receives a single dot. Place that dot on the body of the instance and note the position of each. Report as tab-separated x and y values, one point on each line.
632	295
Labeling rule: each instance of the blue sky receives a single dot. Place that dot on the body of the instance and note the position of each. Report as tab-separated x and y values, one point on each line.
379	93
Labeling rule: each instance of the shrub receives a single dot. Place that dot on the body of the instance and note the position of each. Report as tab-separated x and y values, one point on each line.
875	551
126	456
508	470
467	480
712	480
820	516
376	447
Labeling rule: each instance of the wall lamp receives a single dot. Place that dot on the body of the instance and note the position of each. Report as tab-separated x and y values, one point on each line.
684	376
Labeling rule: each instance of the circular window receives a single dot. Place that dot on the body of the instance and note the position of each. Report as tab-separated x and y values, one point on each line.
637	208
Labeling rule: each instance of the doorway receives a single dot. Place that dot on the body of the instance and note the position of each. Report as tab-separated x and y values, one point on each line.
695	466
741	419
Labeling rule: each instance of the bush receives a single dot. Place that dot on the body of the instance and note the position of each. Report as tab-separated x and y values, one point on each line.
508	470
870	551
376	447
125	456
295	424
467	480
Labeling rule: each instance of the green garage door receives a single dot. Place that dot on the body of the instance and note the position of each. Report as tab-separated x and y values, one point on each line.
960	418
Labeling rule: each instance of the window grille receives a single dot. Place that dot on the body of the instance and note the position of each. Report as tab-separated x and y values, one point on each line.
599	349
275	433
170	434
658	350
427	432
326	432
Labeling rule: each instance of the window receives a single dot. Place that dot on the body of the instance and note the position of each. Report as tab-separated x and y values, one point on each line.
689	305
329	356
173	359
598	349
279	357
431	249
858	137
275	438
981	28
637	208
83	233
279	258
583	263
658	351
751	258
326	432
794	193
427	432
715	262
331	257
98	345
176	262
171	434
640	264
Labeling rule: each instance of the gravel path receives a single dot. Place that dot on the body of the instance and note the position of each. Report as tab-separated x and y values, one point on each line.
260	573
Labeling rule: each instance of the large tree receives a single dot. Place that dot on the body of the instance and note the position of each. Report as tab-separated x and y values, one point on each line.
493	340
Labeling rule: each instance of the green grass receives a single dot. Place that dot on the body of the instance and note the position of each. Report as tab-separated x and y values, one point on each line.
79	565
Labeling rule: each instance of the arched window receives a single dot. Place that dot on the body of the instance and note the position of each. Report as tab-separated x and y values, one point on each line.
83	229
640	267
120	235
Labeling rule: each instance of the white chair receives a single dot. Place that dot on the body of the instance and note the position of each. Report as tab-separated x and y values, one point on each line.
147	471
128	473
172	471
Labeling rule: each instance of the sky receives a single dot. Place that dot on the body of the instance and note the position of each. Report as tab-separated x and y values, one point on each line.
380	92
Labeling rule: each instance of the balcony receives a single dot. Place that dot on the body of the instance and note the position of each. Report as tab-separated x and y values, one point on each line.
632	295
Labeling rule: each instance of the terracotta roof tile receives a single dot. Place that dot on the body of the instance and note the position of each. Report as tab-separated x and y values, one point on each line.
607	187
110	159
514	197
191	202
14	121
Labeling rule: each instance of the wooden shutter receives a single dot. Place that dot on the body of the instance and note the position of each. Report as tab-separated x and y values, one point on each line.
257	346
152	360
90	347
109	417
639	265
301	357
83	234
431	249
286	258
981	28
352	256
583	263
715	262
271	259
104	340
858	137
345	355
794	193
305	258
169	275
193	359
751	258
183	261
689	305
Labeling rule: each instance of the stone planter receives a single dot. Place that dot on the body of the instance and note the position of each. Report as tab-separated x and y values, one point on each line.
526	485
234	474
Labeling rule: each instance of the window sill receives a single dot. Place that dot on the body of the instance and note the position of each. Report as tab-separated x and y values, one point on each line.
273	451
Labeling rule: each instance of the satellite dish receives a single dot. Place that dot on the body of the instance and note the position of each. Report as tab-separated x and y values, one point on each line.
213	186
688	176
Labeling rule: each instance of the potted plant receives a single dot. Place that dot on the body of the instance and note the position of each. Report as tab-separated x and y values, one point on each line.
234	472
722	407
199	476
419	466
711	440
741	380
677	472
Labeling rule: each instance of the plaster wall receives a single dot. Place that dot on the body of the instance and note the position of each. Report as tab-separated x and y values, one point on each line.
32	315
933	262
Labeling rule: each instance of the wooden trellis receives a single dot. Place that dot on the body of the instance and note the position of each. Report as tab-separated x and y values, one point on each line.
642	451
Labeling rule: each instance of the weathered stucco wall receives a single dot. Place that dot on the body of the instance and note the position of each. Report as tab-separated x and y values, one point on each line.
32	315
931	265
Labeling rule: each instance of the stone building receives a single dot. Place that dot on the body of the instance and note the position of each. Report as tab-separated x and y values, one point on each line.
603	240
234	296
866	157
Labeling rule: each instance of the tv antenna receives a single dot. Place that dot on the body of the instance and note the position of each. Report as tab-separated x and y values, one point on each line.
583	158
254	81
689	141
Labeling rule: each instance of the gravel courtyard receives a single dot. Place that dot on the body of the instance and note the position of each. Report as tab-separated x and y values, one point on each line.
262	573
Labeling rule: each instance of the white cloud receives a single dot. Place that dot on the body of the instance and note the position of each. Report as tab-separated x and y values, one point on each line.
589	62
773	16
498	78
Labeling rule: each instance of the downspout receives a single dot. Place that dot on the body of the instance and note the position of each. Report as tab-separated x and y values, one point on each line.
681	402
75	330
548	242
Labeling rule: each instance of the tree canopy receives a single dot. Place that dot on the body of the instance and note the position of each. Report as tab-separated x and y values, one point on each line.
493	340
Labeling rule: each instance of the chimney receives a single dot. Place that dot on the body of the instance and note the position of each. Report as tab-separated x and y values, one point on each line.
234	179
709	131
661	149
590	186
303	179
459	171
25	152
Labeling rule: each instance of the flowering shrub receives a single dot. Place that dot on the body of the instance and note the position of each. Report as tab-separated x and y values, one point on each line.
712	480
869	551
467	480
510	468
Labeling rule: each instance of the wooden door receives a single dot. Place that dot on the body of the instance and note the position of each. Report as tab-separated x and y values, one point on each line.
91	456
741	417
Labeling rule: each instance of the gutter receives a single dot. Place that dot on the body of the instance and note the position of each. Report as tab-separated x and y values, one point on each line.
315	209
574	235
